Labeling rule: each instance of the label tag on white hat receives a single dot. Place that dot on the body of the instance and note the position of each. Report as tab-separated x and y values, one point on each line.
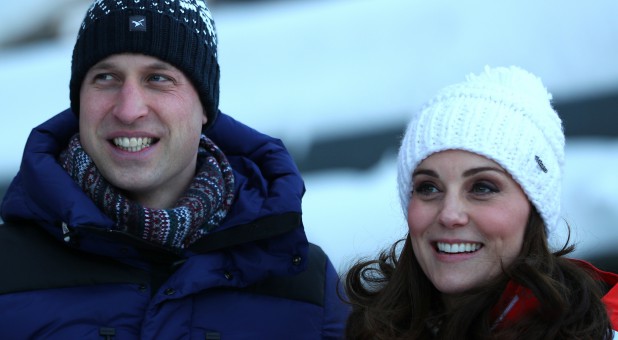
540	163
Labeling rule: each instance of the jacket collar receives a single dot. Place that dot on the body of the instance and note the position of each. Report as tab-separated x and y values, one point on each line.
611	298
518	301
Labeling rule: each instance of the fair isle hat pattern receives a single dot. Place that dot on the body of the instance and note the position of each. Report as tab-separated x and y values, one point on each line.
504	114
179	32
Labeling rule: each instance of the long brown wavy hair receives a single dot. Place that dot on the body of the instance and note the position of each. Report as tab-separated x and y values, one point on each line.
391	297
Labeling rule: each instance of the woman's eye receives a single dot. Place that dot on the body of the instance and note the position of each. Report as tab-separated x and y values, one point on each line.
425	189
484	188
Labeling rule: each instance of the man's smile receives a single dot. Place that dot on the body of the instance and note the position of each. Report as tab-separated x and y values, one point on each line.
133	144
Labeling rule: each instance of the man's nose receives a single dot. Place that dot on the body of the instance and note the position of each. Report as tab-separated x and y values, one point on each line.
130	103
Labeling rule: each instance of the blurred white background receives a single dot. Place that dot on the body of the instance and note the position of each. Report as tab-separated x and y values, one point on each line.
346	75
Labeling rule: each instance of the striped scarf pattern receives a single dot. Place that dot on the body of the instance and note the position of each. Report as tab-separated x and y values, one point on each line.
197	212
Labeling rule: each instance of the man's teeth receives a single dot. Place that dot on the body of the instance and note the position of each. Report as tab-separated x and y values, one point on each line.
454	248
133	144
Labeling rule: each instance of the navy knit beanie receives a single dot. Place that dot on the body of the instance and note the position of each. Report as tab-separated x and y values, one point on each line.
179	32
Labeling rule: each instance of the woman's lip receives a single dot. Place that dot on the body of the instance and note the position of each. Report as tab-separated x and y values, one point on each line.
457	247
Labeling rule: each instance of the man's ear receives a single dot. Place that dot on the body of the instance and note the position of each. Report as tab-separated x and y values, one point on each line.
204	118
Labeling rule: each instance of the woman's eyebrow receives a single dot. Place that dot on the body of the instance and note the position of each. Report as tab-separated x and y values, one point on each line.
466	173
425	172
475	171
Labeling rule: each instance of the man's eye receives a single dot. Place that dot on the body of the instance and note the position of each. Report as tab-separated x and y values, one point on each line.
159	78
103	77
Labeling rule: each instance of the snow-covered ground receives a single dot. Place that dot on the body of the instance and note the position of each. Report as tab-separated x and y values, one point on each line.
304	70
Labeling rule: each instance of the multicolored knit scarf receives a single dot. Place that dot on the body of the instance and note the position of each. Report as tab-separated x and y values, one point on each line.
201	208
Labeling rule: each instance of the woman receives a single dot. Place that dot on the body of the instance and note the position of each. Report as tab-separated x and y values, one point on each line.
479	175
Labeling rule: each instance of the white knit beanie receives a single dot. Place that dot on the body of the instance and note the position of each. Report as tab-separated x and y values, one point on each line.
504	114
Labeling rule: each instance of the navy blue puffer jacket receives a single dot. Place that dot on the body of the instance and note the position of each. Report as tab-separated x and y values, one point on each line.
65	274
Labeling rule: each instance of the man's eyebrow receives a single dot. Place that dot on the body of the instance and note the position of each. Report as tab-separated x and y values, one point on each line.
104	65
157	65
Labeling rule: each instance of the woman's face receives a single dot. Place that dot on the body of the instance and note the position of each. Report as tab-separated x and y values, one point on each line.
466	217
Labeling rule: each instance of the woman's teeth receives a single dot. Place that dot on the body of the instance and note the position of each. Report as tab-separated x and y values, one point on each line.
133	144
455	248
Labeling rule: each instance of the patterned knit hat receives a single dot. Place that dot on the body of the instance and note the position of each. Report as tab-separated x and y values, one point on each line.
504	114
179	32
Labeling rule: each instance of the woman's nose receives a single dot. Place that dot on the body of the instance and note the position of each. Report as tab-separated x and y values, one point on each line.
453	212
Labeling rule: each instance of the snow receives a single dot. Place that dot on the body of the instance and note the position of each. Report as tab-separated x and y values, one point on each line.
303	70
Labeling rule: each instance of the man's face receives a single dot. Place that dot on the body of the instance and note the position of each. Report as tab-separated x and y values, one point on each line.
140	121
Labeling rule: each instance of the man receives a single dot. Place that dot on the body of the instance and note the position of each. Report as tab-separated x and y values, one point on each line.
144	212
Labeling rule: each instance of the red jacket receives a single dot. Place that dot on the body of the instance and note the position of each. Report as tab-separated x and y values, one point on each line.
517	301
